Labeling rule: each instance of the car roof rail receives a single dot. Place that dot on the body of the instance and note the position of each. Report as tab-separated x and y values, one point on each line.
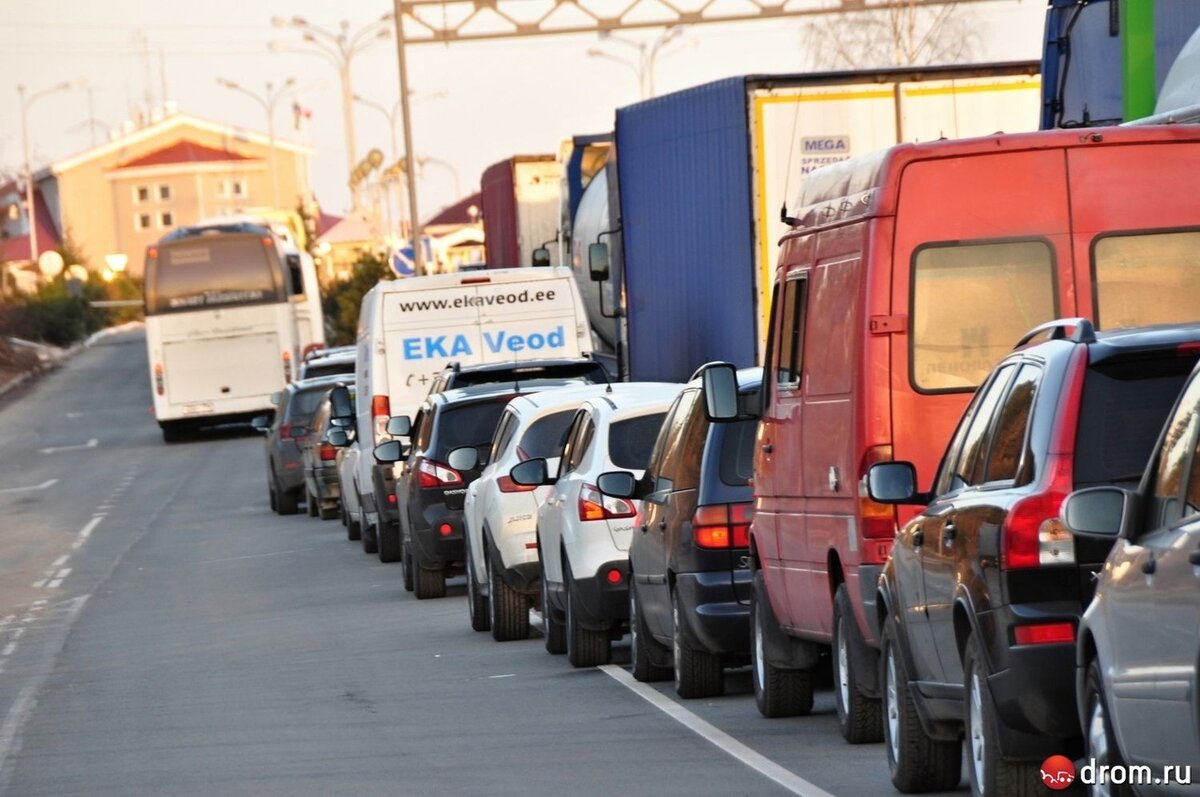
1084	332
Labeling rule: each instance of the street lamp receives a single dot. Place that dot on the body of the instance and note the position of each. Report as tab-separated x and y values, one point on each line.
424	159
339	48
26	102
268	101
647	55
393	116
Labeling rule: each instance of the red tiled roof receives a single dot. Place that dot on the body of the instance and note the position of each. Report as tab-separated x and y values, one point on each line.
326	222
14	249
183	152
457	213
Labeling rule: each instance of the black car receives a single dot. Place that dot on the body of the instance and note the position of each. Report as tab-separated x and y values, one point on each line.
429	489
689	596
287	433
525	373
981	597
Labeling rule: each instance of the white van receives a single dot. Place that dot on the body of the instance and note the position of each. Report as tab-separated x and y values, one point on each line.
410	329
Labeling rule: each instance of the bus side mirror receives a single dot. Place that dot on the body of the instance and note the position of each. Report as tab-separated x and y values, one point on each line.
598	261
541	256
295	275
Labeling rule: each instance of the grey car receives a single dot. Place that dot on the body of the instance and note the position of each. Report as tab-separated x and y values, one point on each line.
1139	640
287	433
322	490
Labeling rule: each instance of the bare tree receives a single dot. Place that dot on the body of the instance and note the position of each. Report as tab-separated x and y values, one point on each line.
898	33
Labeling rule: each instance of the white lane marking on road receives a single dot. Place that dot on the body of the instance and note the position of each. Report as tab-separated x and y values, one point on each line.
721	740
55	449
62	560
18	633
66	571
253	556
46	485
39	584
506	675
55	584
87	530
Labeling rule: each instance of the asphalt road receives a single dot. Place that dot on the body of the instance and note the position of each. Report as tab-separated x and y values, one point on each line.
163	633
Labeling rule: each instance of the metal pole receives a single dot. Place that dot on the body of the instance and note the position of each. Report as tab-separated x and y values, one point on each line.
348	123
30	211
414	220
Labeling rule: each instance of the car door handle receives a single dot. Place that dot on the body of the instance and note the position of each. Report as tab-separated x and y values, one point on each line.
767	448
1149	566
918	539
1194	557
949	532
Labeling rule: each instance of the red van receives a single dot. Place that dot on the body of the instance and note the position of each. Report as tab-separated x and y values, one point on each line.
907	275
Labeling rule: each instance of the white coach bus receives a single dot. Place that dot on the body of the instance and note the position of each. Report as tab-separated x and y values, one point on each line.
229	312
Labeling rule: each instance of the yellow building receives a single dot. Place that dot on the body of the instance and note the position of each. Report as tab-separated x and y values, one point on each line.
120	197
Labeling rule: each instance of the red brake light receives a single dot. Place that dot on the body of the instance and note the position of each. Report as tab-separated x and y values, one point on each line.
391	498
267	241
381	410
1188	349
327	452
507	485
594	505
287	366
878	520
435	474
1044	633
159	379
613	576
722	525
445	529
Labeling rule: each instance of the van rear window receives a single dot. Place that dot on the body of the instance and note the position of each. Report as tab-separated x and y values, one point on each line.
971	302
1147	279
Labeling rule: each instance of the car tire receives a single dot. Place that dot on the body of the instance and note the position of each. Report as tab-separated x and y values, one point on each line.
988	772
860	718
477	603
387	541
508	610
427	582
272	497
370	544
1100	743
698	673
289	501
172	432
645	652
406	566
916	762
778	691
310	503
553	628
353	529
585	647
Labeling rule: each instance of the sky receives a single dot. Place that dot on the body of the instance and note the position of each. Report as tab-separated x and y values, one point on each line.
473	103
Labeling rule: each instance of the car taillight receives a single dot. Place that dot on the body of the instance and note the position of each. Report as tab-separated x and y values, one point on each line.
327	452
722	525
594	505
287	366
507	485
381	410
285	430
1043	633
160	382
435	474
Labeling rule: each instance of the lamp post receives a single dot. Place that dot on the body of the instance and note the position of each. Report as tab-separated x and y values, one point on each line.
268	101
647	56
424	159
339	49
26	102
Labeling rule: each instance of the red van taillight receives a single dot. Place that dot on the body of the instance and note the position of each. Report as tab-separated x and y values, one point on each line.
723	525
160	382
507	485
594	505
435	474
287	366
327	452
381	410
878	520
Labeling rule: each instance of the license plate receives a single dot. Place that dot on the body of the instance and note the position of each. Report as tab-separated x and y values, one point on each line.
201	408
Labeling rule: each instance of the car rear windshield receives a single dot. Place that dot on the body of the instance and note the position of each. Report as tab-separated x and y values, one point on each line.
305	402
737	452
584	373
630	441
545	437
1124	406
467	425
314	370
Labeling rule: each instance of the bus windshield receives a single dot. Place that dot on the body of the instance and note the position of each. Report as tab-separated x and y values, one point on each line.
212	271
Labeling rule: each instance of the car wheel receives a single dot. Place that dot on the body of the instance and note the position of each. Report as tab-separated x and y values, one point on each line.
585	647
387	537
172	432
1100	743
289	501
778	691
508	609
917	763
310	503
698	673
645	652
427	582
988	772
369	542
859	717
353	529
477	604
553	628
407	565
271	495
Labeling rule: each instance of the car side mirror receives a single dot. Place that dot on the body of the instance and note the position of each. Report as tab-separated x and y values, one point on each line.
390	451
399	426
260	423
276	397
598	267
341	423
1098	511
894	483
618	484
719	382
463	458
341	403
540	257
338	438
531	473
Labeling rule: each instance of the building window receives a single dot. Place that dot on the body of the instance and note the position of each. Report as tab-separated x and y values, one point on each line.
231	189
142	221
164	192
141	193
166	219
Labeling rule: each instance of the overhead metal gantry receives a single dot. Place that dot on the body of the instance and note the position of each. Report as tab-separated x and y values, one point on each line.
457	21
